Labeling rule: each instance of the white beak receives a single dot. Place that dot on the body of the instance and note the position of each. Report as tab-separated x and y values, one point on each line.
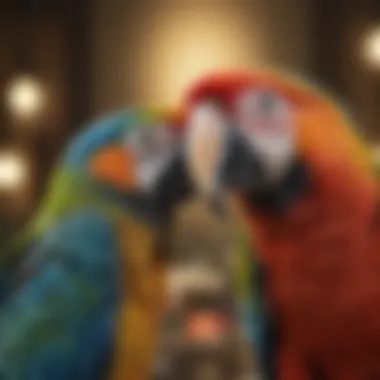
206	148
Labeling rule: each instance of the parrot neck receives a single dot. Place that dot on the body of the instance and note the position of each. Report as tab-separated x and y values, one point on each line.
142	206
280	197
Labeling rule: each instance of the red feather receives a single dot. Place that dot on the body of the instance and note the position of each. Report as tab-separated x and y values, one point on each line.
224	87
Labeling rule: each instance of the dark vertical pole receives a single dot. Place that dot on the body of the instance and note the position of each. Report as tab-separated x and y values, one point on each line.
79	65
329	18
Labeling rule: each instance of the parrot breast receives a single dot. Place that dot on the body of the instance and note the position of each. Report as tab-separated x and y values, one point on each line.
59	322
320	252
323	266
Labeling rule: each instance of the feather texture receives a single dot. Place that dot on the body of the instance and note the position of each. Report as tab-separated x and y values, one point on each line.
58	322
60	279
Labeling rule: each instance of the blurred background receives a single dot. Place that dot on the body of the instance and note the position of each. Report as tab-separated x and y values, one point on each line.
65	62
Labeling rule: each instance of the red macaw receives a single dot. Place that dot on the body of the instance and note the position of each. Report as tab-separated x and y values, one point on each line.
305	187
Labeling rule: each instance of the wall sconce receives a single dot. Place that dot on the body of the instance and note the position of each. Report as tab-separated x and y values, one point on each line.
371	48
25	97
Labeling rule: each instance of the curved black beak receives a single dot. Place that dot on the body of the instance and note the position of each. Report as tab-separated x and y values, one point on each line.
238	169
244	174
173	187
219	160
241	170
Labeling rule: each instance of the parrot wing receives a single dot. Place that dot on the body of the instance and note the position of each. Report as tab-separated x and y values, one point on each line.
57	322
255	317
65	195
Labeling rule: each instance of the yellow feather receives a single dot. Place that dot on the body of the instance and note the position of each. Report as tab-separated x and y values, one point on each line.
142	304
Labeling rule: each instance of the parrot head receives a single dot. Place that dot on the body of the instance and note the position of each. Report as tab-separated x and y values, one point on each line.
250	131
134	157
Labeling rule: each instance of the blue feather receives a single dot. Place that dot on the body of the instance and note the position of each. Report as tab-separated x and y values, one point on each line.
263	324
96	135
57	312
59	323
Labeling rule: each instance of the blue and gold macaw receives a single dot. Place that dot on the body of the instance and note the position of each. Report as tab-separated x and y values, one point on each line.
82	289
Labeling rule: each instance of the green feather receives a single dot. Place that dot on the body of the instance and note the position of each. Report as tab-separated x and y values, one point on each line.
244	261
68	191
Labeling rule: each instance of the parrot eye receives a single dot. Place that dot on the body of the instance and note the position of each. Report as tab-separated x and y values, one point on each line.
149	143
263	111
267	123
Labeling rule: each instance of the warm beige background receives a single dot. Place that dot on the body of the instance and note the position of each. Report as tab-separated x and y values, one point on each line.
148	53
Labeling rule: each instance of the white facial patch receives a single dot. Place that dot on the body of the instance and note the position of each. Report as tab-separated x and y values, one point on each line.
206	139
152	148
267	121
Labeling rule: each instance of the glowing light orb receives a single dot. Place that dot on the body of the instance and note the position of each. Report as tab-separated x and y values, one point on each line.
25	96
372	48
13	171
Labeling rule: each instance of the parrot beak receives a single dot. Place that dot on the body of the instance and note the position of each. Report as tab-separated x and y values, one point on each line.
219	159
114	165
242	171
173	186
205	150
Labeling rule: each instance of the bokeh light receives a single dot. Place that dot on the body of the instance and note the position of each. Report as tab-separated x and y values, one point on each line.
13	171
25	96
372	48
